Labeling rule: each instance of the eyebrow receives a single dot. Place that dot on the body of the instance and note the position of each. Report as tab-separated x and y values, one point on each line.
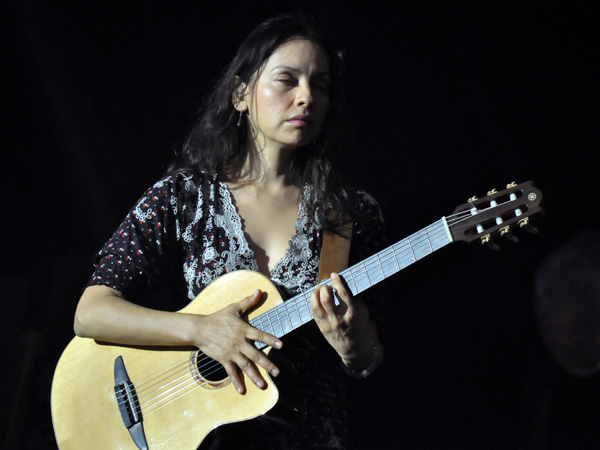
295	69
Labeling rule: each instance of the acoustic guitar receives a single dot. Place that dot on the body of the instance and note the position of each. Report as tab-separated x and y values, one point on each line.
107	396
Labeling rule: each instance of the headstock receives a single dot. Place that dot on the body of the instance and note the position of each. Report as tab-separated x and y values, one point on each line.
499	212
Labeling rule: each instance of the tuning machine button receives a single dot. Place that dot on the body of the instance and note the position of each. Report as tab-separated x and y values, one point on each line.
487	241
508	234
492	192
526	225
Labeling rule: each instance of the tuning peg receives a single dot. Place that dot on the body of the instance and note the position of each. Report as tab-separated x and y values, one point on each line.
524	224
511	185
492	192
472	199
487	241
508	234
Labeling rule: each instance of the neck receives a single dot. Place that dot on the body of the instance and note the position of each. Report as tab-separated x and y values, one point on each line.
265	166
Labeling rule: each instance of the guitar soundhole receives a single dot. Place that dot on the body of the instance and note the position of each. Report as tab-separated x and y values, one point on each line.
209	372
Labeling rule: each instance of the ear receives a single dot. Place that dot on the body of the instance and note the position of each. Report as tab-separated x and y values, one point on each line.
238	96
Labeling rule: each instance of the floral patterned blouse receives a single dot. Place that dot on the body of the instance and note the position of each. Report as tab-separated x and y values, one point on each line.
187	229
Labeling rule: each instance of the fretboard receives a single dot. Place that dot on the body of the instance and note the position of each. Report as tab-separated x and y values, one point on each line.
296	311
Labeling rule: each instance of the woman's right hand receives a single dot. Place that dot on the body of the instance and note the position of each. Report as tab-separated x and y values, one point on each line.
103	314
226	337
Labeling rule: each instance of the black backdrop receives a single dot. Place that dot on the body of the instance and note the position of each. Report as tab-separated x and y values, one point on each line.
445	101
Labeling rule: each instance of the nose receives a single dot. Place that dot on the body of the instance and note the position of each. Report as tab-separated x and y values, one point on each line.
304	97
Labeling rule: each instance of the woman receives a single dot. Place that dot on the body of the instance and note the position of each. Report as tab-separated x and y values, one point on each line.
251	175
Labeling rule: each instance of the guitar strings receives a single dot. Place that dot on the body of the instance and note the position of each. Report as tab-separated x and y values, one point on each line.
377	260
180	369
170	387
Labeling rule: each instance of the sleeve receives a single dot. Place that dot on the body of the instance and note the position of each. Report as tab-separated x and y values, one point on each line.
368	235
132	259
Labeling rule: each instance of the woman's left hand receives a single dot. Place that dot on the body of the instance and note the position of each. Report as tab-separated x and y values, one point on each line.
346	326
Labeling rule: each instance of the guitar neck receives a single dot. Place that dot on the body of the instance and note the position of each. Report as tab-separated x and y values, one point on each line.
296	311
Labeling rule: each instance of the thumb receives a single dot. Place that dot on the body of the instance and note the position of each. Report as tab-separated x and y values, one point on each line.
250	301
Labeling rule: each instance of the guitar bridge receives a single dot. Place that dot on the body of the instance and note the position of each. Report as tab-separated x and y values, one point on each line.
129	405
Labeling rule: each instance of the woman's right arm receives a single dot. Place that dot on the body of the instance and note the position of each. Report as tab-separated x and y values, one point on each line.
103	314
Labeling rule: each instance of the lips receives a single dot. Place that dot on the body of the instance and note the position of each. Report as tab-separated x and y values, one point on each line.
300	120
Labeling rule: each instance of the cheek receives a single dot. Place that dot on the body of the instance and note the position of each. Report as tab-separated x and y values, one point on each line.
271	101
269	109
323	109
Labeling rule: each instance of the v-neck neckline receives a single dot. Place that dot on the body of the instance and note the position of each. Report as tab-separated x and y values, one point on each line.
301	213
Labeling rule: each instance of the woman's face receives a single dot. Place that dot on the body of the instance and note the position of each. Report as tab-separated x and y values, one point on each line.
288	103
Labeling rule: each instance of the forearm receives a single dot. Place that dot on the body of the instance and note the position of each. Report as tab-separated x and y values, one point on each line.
103	314
363	349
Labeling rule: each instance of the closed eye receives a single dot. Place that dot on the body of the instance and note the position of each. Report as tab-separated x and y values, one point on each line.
322	86
321	82
288	81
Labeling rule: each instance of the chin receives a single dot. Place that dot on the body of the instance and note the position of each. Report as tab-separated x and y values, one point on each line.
306	139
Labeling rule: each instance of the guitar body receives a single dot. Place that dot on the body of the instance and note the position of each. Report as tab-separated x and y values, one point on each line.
178	405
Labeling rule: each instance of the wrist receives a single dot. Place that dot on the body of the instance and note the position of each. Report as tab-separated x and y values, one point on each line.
189	329
363	370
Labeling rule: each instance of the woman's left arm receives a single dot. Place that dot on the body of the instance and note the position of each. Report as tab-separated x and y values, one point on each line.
347	326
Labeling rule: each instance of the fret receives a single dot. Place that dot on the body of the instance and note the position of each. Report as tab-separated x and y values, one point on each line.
367	278
283	319
375	272
349	277
276	324
305	313
304	308
412	251
406	257
261	322
428	240
420	250
396	258
295	322
441	239
286	323
387	267
362	278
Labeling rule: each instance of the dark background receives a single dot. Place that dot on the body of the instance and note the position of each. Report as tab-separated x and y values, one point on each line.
445	101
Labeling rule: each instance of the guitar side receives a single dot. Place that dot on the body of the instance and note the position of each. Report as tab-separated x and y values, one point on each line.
179	409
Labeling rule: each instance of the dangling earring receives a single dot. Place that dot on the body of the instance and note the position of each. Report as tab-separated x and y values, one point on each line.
240	95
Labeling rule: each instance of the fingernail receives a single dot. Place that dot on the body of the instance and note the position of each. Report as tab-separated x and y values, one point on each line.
333	275
278	344
239	389
274	372
258	383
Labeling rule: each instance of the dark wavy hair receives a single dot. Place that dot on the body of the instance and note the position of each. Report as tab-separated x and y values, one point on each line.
216	146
